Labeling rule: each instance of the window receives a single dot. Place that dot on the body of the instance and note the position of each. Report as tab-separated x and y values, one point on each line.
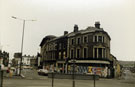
99	52
95	38
59	55
103	39
49	48
78	53
64	46
95	49
85	39
64	54
103	52
78	40
85	52
72	53
99	38
72	42
59	46
55	46
54	55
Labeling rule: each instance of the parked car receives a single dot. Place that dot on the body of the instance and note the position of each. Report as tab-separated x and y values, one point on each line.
43	72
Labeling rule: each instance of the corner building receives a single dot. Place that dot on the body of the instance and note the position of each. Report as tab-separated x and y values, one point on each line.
89	48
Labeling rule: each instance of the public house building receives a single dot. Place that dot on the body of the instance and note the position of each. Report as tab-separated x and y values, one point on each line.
89	48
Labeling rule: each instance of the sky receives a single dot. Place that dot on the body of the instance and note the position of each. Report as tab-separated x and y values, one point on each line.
53	17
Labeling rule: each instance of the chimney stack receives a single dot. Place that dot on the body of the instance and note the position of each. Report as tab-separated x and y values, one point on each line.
75	28
97	24
65	32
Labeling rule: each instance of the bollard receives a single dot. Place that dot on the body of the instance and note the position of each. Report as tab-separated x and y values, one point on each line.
1	77
73	83
73	74
52	78
94	80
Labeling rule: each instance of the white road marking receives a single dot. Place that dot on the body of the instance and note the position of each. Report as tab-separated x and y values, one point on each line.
37	86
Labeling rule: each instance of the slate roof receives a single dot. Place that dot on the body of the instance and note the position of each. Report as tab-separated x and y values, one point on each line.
47	38
89	29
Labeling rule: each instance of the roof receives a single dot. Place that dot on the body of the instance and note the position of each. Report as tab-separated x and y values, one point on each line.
49	37
87	30
84	31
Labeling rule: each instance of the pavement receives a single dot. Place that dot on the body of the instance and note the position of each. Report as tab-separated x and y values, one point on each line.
32	79
26	74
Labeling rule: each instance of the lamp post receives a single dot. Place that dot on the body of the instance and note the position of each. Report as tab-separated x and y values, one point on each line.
73	74
24	20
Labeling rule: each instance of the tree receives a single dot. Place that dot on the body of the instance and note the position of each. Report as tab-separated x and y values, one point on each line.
5	56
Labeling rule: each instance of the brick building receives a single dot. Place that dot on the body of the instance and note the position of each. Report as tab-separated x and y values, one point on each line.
90	48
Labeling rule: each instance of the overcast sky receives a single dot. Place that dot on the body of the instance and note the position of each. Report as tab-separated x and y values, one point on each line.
117	17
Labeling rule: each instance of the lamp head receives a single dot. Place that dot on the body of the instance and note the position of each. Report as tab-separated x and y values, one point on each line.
14	17
33	20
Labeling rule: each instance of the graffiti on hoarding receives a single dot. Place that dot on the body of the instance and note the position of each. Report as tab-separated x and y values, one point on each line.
89	69
101	71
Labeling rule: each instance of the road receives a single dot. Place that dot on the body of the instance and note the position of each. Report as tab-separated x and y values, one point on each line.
66	83
43	81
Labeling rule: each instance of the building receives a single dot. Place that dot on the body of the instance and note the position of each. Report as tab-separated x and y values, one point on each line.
28	62
33	62
90	48
4	58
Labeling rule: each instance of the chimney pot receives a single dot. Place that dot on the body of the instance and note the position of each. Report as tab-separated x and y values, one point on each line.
65	32
75	28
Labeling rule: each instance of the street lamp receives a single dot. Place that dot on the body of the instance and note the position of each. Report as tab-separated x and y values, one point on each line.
24	20
73	74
